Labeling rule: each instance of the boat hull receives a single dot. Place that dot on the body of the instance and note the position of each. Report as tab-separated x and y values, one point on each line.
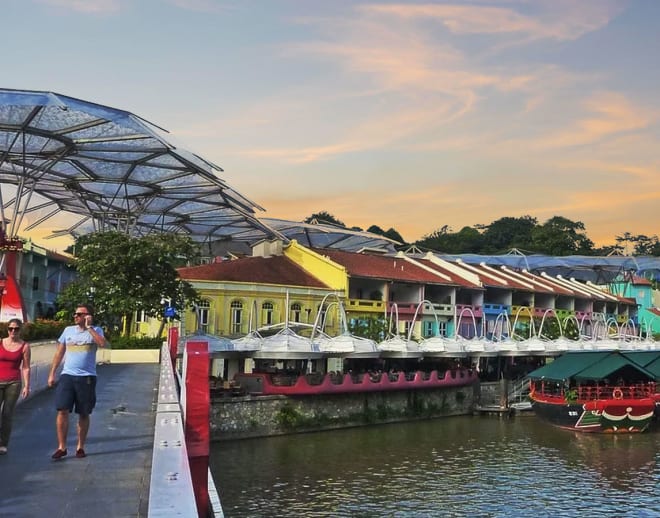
599	416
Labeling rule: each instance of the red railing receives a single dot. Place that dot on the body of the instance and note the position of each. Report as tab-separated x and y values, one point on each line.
550	392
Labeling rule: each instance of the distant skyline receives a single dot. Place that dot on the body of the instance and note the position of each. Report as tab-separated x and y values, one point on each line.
399	114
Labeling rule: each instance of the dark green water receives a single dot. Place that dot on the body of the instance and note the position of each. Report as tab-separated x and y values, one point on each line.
461	466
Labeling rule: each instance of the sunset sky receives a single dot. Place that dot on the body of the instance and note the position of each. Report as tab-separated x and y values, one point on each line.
400	114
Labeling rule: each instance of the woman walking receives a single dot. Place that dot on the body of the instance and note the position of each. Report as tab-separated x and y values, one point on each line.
14	366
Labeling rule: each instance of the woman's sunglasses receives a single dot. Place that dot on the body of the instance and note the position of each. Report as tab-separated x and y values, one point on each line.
14	329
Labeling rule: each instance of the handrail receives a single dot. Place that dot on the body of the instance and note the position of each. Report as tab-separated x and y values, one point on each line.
170	488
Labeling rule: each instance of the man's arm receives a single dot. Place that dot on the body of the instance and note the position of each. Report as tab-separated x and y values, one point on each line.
98	337
57	359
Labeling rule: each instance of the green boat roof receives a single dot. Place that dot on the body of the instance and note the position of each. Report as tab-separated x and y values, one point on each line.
594	365
654	367
644	358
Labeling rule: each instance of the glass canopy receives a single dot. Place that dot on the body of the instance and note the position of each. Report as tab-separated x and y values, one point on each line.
110	170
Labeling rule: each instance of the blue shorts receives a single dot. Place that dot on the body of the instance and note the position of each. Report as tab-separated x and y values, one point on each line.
78	391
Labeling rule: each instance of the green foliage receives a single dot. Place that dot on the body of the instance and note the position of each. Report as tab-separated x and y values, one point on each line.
374	328
571	396
324	217
507	233
38	330
390	233
120	274
444	240
557	236
561	236
132	342
641	244
287	417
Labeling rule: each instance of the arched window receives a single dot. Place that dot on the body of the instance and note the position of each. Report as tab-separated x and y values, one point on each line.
236	316
267	313
296	310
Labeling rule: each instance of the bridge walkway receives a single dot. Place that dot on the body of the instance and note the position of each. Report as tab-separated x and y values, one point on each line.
113	480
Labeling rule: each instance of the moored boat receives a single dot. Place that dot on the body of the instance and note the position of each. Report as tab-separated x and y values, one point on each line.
595	392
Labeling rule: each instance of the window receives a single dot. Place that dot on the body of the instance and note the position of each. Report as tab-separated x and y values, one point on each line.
267	313
203	316
428	328
295	312
35	283
442	328
236	316
139	318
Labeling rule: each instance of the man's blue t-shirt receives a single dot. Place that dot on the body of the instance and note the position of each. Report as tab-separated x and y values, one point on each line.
80	351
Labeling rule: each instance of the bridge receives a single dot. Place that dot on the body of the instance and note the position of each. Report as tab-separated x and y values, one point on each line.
137	462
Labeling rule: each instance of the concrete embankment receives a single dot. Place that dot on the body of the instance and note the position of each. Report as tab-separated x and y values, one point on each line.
260	416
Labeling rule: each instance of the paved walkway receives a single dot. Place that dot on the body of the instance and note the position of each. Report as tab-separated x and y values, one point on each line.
113	480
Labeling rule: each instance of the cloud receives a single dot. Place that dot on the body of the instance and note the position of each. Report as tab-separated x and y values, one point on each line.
555	19
87	6
608	114
202	6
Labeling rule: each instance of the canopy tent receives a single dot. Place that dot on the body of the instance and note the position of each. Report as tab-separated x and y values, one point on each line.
110	170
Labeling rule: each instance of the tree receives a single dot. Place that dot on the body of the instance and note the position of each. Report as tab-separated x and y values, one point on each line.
506	233
120	275
561	236
324	217
390	233
466	240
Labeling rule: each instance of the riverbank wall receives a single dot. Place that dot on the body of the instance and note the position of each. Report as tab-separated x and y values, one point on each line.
262	416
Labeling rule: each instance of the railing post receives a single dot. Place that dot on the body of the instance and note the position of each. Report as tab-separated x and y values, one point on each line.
196	403
172	344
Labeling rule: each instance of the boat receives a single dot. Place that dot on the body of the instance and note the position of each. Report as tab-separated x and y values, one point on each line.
595	391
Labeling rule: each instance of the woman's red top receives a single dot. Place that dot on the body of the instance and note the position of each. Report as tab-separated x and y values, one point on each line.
10	363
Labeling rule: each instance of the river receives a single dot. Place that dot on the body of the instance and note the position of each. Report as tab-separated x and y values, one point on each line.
451	467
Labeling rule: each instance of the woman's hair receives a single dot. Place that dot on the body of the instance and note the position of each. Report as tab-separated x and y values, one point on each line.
16	321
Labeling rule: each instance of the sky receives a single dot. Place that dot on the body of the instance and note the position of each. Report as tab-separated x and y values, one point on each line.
399	114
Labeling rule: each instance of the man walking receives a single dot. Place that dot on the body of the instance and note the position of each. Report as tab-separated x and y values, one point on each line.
76	389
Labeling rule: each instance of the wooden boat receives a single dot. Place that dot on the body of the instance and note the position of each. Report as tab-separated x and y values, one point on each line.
595	392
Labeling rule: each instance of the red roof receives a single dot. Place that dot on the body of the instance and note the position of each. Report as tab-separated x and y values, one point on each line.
637	281
383	267
258	270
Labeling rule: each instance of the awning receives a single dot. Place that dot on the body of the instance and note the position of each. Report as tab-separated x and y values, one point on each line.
589	366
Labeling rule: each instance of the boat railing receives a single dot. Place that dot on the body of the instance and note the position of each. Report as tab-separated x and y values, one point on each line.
636	391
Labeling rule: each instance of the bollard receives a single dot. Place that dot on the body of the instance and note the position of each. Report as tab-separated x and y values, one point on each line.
196	407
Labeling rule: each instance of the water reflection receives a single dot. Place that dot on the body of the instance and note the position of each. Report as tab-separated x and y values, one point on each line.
462	466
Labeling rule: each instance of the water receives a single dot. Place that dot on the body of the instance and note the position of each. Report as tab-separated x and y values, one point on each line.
461	466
